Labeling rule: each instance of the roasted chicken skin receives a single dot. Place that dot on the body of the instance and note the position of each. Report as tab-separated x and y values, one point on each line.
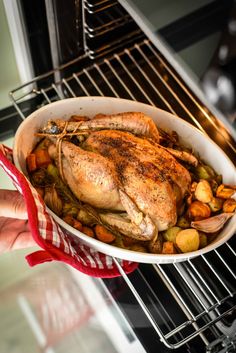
91	177
150	175
135	122
121	167
117	171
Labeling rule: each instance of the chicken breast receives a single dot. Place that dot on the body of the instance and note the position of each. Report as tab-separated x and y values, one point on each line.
91	177
149	175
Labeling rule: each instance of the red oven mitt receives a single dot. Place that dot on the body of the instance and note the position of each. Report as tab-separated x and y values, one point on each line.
55	243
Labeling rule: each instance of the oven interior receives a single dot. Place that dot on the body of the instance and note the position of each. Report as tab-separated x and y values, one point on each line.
188	306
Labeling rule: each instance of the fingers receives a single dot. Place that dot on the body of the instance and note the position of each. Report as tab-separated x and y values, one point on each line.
14	234
12	204
23	240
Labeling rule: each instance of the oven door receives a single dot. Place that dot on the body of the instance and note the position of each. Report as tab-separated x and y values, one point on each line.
54	308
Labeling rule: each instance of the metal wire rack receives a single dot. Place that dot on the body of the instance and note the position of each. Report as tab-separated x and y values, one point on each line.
106	26
201	290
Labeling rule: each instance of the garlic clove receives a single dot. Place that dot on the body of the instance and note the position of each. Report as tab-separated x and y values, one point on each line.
212	224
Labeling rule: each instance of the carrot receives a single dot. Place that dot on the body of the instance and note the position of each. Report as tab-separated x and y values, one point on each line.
127	241
42	158
68	219
168	248
103	234
88	231
31	162
77	225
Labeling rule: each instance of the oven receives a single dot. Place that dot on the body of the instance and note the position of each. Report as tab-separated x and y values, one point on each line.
107	48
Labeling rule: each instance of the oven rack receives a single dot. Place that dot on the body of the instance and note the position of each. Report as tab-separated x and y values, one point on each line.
203	290
107	25
102	26
99	5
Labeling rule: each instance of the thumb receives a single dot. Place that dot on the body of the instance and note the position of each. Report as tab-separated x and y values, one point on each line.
12	204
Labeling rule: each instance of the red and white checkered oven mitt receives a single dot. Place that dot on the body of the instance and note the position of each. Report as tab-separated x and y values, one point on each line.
55	243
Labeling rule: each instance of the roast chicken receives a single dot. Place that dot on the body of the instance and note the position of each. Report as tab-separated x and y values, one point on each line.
120	169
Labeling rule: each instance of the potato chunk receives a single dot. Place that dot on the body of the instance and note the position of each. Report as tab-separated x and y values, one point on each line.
188	240
168	248
216	204
199	210
203	191
229	205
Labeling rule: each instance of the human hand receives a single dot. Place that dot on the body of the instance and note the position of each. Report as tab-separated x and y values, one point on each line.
14	228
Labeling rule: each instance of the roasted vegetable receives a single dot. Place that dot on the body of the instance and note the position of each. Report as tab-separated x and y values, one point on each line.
31	162
68	219
205	172
69	208
188	240
216	204
138	247
88	231
85	217
225	191
229	206
199	210
78	225
168	248
42	158
203	191
212	224
156	244
40	178
103	234
127	241
53	172
171	233
203	240
193	187
183	222
214	183
52	200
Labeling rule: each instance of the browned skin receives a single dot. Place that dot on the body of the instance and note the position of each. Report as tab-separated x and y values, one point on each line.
135	122
91	177
116	170
149	175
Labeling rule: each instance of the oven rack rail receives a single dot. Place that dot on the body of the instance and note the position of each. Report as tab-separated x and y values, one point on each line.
99	5
102	27
141	73
107	26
